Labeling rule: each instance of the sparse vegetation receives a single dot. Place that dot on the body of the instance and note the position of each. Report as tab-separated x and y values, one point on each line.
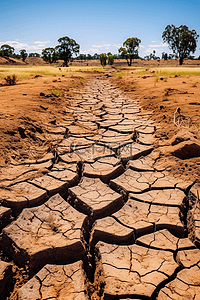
25	72
110	59
55	93
81	79
103	59
74	85
11	80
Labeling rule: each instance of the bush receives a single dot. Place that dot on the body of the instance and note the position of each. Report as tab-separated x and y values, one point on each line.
103	58
110	60
11	80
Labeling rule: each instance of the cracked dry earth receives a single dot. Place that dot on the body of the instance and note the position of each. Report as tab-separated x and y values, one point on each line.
106	221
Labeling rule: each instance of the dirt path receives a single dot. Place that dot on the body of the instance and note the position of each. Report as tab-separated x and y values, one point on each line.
105	219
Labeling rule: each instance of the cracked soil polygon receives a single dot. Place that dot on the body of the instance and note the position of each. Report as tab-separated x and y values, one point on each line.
51	233
132	270
94	198
56	282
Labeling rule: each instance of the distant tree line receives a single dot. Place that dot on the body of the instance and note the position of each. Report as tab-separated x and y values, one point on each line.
181	41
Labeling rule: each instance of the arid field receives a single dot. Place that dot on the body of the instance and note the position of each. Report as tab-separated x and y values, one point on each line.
160	90
99	181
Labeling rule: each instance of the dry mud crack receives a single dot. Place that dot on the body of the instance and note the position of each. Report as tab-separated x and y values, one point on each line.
106	220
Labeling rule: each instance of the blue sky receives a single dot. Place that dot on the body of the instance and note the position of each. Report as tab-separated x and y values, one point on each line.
97	25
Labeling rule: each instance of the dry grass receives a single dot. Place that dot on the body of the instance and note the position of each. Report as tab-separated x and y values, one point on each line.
25	72
165	71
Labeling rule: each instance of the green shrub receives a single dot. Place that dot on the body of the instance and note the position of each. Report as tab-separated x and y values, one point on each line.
110	59
55	93
103	59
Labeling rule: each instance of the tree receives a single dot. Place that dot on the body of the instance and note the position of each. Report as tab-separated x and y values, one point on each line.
110	59
50	55
164	55
129	51
67	48
6	50
34	54
103	58
181	40
96	56
89	57
18	56
23	54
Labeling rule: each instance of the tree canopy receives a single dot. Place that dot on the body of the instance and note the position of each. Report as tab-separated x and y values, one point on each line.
67	48
23	54
34	54
6	50
110	59
181	40
50	54
103	59
129	51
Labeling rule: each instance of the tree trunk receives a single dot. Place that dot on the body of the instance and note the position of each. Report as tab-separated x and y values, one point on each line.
180	61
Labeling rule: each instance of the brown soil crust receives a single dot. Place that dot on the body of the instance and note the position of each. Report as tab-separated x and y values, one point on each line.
162	97
24	108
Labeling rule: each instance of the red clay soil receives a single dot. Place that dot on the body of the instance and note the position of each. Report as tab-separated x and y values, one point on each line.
23	108
162	98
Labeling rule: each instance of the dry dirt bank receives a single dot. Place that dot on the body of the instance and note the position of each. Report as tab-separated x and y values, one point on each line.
27	109
25	115
105	219
162	95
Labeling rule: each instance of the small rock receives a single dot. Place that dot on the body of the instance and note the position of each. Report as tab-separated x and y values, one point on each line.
42	94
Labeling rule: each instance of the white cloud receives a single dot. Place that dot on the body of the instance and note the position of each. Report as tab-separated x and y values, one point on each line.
38	42
19	45
152	41
15	44
118	45
158	46
142	46
148	50
89	51
100	46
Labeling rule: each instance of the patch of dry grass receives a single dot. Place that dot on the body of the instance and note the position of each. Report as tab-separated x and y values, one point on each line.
25	72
